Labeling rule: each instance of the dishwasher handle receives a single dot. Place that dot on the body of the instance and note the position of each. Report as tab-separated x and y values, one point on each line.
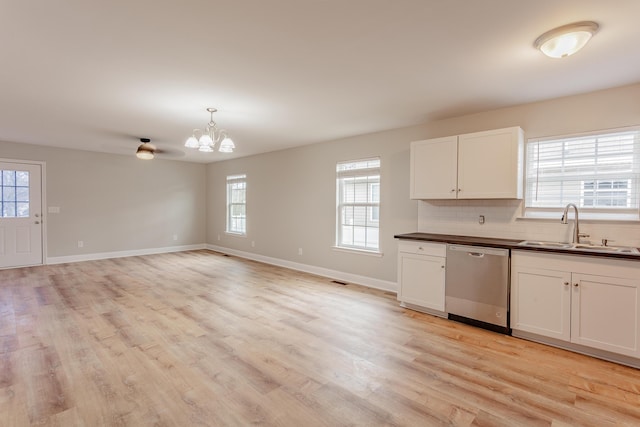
476	254
478	251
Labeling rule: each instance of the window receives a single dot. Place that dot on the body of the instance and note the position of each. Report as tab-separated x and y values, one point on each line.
358	210
600	173
14	194
237	204
607	193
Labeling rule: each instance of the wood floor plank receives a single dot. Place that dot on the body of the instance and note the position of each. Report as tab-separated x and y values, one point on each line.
201	339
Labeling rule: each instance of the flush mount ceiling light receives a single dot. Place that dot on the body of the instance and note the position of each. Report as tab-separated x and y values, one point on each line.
207	139
566	40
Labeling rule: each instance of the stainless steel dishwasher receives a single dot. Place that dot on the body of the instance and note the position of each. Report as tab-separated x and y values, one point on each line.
477	286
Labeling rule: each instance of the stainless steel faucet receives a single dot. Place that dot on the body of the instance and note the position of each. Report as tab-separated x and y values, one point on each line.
576	228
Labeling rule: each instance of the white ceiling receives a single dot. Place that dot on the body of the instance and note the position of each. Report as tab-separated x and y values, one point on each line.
99	75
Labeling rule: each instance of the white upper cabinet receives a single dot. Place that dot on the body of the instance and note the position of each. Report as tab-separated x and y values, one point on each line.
434	168
481	165
490	164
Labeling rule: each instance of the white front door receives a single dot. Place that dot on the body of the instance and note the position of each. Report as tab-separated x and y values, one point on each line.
20	214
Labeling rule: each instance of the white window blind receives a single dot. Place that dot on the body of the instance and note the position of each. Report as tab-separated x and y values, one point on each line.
237	204
600	173
358	206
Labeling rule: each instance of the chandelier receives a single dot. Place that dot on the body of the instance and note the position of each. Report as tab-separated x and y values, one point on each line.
205	140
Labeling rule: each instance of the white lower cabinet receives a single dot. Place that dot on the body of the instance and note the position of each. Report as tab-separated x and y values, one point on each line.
604	313
589	301
541	302
421	273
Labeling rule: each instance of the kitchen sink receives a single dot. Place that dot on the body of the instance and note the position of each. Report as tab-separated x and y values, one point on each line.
558	245
622	249
581	247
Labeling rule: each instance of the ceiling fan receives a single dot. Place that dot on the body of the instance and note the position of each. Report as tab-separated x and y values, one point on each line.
147	150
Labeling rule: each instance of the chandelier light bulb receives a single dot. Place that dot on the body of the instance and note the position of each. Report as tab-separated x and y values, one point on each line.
192	142
227	145
205	140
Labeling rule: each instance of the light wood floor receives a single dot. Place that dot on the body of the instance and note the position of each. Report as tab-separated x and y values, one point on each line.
197	338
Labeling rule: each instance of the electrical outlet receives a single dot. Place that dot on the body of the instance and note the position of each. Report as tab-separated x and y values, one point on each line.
175	237
80	244
299	251
218	237
253	243
481	219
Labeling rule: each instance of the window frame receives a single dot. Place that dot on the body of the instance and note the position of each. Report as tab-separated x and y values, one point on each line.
601	212
365	173
231	181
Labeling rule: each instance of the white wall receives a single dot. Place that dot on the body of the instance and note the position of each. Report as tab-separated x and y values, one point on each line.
291	193
292	202
116	203
609	109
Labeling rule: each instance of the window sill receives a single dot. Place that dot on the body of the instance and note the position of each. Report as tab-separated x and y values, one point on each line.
358	251
231	233
555	217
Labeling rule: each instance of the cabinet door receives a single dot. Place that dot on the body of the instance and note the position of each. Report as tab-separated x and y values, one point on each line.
433	168
490	164
541	302
605	313
421	280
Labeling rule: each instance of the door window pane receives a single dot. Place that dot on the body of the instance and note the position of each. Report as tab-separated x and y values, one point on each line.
14	194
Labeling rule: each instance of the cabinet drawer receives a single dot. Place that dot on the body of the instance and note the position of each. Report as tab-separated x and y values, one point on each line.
423	248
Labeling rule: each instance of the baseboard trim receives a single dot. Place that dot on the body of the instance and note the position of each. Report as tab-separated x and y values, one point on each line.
369	282
577	348
122	254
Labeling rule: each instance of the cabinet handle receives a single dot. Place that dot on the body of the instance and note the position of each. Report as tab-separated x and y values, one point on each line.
566	283
459	190
575	285
453	190
420	248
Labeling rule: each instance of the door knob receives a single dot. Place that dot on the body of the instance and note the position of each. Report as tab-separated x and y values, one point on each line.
37	222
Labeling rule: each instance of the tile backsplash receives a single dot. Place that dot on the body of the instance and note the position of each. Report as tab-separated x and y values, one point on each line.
502	219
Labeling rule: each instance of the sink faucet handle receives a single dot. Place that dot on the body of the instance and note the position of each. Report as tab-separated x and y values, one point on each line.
605	242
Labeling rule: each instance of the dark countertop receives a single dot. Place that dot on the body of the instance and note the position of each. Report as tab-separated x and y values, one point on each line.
509	244
461	240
